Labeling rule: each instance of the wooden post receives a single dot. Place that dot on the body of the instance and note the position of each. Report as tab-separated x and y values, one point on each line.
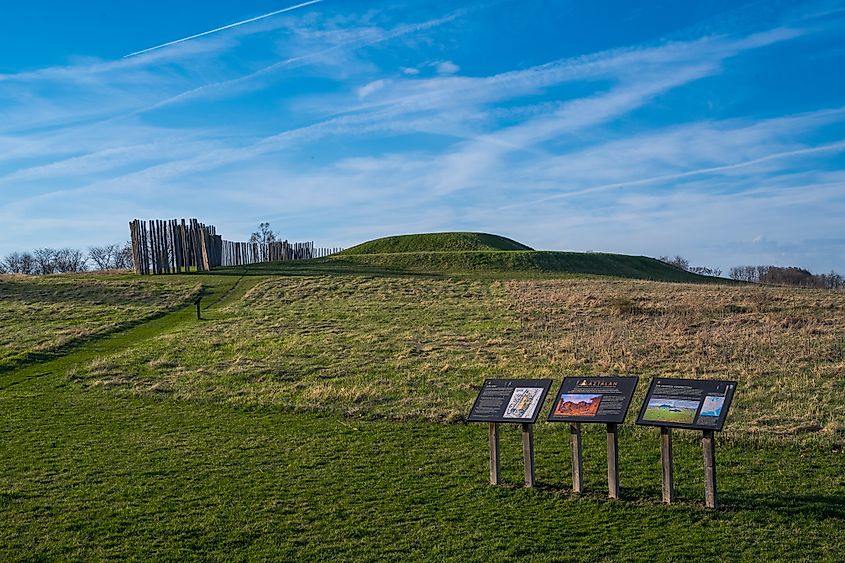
145	263
577	457
493	431
708	443
613	461
668	468
528	453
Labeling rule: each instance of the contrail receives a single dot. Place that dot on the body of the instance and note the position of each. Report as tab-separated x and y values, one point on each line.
231	25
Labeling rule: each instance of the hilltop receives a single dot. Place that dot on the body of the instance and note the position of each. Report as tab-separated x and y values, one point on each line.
454	253
436	242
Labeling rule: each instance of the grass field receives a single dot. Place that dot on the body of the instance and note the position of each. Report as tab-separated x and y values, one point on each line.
39	316
404	347
316	412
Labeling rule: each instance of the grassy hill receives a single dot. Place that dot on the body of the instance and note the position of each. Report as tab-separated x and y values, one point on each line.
435	242
453	253
529	262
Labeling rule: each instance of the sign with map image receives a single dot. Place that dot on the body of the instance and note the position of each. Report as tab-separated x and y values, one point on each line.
687	403
600	398
523	403
510	400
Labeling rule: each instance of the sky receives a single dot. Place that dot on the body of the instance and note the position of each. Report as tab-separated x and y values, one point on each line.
711	130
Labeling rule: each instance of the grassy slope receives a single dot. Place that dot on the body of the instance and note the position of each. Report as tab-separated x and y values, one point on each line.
498	263
405	347
432	242
62	311
96	474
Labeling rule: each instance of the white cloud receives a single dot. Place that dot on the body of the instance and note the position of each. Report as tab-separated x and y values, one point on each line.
446	67
368	89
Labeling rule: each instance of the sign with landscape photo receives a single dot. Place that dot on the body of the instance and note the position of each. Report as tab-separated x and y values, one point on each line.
687	403
510	400
593	399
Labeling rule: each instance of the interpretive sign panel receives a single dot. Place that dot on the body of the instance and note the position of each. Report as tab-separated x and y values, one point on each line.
510	400
700	404
593	399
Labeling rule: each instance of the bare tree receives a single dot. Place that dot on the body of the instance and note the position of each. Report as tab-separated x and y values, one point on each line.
677	261
264	234
111	256
69	260
19	263
123	257
101	256
45	261
705	271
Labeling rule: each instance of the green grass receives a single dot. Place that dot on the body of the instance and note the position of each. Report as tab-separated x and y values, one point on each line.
436	242
513	263
663	414
493	256
409	347
314	413
89	475
40	316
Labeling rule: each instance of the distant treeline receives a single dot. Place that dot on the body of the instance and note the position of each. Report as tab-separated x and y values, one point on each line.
770	275
45	261
777	275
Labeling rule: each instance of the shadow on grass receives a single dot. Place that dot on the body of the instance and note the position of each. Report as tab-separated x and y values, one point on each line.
813	506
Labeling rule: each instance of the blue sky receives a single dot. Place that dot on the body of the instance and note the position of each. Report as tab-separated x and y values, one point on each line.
712	130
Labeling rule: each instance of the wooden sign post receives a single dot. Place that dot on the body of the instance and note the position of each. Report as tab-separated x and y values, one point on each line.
577	457
708	443
688	403
613	461
667	464
494	452
601	399
512	401
528	453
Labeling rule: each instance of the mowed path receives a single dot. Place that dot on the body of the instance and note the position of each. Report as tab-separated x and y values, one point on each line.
94	475
218	292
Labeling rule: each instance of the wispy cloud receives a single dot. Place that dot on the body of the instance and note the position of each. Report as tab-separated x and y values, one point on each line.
223	28
379	124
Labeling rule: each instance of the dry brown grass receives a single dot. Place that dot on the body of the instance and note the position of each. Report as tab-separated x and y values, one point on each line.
419	348
786	347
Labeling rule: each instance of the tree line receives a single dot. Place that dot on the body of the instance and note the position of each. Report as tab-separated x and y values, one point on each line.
45	261
790	275
769	275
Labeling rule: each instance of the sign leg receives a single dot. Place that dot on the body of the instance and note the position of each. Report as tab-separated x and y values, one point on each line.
528	453
494	453
577	457
613	461
708	442
668	469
